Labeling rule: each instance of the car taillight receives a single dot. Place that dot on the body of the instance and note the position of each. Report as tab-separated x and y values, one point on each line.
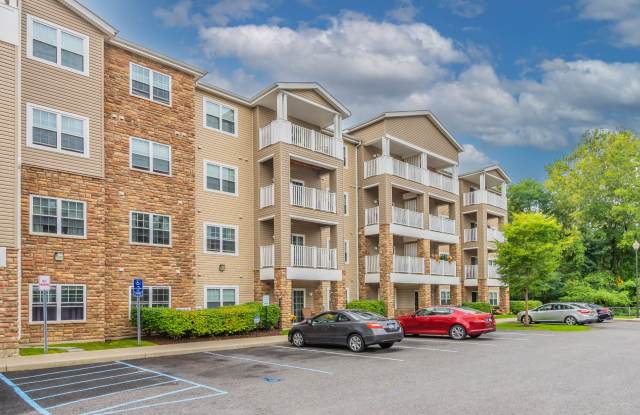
605	310
584	311
374	326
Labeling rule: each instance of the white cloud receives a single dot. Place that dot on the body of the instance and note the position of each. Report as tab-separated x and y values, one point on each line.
464	8
404	13
624	16
472	159
176	16
221	13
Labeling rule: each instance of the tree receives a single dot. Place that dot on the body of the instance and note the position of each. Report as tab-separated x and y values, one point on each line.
531	253
529	195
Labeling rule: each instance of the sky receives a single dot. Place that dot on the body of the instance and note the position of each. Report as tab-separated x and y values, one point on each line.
516	82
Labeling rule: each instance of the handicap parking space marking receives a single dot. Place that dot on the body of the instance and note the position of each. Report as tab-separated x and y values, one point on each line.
60	385
364	356
95	387
427	348
247	359
24	396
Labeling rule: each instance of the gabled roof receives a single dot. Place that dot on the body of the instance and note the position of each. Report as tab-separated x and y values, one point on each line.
487	169
304	85
91	17
416	113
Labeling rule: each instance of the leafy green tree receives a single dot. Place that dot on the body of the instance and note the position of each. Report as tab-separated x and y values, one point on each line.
531	253
529	195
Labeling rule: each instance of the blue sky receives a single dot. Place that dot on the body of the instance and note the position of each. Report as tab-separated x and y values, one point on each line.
516	82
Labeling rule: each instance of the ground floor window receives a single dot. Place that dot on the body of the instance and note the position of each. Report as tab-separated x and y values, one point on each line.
65	302
493	298
152	296
220	296
445	297
298	302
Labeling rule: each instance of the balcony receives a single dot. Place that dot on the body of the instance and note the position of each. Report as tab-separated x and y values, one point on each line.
471	272
267	258
483	196
494	235
408	264
442	182
471	235
266	196
408	217
372	264
372	216
313	257
390	165
493	271
442	267
442	224
311	198
287	132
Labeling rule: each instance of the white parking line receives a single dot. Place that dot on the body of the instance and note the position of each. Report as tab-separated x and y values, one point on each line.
161	395
291	348
196	398
83	381
527	334
62	371
427	348
510	339
268	363
95	387
453	342
72	376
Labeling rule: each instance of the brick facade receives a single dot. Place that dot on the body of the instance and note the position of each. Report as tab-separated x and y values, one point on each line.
9	329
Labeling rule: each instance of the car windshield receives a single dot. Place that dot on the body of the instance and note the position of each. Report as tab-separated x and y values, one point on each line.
366	315
470	310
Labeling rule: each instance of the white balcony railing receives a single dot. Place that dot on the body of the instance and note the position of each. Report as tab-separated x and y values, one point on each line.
266	196
372	263
286	131
312	198
482	196
267	256
493	271
408	217
496	200
442	182
408	264
390	165
371	215
471	271
442	267
471	235
442	224
313	257
494	235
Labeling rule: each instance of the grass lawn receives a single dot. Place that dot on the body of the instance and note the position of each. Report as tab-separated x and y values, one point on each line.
499	316
540	326
109	344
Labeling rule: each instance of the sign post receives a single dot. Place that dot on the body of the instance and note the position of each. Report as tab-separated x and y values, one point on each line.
44	284
138	286
265	305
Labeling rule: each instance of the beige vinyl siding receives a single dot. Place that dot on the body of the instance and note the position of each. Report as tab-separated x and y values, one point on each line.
63	90
226	209
8	172
419	130
312	96
370	132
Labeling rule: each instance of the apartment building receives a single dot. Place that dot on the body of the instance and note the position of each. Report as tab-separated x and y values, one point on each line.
117	162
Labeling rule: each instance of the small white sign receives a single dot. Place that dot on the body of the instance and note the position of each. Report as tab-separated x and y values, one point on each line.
44	282
265	300
3	257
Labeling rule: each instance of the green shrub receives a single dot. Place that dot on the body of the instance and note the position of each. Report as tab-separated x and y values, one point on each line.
518	306
221	321
375	306
484	307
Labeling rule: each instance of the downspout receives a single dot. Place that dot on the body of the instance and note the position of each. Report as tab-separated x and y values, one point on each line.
18	216
357	224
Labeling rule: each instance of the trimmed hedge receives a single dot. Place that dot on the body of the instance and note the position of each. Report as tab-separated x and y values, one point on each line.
375	306
484	307
518	306
223	321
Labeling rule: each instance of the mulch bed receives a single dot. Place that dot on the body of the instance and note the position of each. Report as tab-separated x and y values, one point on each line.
167	340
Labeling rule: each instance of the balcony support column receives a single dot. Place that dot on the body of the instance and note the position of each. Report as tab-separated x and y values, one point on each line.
386	289
281	106
424	295
504	299
386	147
338	293
282	290
456	294
482	182
364	249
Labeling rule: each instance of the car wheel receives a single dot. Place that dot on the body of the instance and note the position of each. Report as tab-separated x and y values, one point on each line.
525	318
297	339
355	342
570	321
386	345
457	332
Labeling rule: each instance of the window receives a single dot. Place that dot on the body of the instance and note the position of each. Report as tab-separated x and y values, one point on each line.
221	239
493	298
221	296
57	131
149	84
346	252
55	45
346	203
445	297
150	229
220	117
65	302
152	296
220	178
345	155
58	217
150	156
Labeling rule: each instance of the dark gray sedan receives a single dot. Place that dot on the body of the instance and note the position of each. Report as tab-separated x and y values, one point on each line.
352	328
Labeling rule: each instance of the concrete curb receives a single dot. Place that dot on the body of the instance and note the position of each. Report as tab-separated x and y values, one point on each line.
13	364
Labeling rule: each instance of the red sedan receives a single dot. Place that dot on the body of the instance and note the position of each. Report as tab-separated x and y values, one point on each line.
456	322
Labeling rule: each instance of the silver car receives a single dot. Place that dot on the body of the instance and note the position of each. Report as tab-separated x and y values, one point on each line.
568	313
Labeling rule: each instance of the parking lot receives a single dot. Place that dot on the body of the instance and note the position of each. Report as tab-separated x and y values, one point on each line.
500	373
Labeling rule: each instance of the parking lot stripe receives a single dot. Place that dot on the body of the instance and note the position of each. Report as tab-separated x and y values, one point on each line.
83	381
510	339
63	371
268	363
338	353
428	348
527	334
71	376
211	395
95	387
174	377
24	396
452	342
148	398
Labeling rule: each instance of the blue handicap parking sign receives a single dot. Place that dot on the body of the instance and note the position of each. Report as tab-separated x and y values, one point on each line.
137	287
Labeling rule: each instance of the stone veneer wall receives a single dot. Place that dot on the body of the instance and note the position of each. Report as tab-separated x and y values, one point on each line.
130	190
9	305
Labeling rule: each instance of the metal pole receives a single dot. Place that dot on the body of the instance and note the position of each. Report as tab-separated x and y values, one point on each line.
46	329
637	296
138	320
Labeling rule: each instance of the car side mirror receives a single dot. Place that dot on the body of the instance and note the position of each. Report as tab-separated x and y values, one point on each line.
413	315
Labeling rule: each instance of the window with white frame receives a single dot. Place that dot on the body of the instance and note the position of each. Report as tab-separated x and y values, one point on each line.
58	217
345	156
56	45
152	296
221	178
150	156
445	297
150	229
493	298
220	296
346	203
220	117
346	252
54	130
347	295
65	302
221	239
149	84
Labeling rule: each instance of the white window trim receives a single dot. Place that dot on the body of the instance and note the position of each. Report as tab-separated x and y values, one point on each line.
151	287
229	166
304	297
301	235
59	233
444	290
151	215
221	287
297	182
59	304
151	71
327	299
221	225
347	293
59	114
346	204
497	293
59	30
345	156
151	143
347	251
220	130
